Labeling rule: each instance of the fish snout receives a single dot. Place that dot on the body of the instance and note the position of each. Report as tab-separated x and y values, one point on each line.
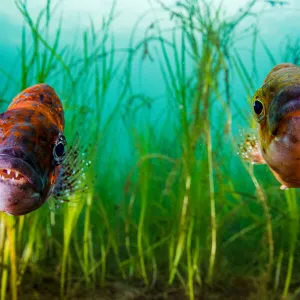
15	164
284	105
20	185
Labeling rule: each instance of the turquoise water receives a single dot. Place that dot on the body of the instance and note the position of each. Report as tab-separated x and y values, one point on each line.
273	24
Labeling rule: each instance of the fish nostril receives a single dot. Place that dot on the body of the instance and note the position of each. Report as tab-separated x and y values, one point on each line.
274	132
294	139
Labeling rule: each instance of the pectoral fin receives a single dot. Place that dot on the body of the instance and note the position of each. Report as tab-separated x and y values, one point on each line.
72	172
249	149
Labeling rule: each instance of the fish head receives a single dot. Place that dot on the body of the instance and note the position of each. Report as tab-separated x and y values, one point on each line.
32	147
276	107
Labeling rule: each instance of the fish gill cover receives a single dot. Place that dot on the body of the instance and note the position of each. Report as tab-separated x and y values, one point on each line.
167	209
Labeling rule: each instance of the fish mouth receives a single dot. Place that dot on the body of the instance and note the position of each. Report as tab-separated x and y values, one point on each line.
16	171
283	106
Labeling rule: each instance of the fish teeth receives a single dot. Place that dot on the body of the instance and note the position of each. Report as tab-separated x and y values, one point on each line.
12	175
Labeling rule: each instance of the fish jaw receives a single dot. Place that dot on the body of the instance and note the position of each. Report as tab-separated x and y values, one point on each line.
283	153
20	186
18	200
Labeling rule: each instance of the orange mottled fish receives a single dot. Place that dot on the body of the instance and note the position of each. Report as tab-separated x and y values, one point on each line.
276	108
32	150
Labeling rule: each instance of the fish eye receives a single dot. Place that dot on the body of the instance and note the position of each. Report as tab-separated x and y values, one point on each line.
258	107
59	150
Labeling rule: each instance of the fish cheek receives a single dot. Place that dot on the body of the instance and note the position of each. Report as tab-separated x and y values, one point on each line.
265	139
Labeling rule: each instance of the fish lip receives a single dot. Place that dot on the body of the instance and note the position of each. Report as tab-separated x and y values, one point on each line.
287	101
11	162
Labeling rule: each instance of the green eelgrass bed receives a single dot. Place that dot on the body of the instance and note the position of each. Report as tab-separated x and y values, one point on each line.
170	210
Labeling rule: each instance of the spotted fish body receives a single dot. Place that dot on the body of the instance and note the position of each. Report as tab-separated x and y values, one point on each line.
32	149
276	108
